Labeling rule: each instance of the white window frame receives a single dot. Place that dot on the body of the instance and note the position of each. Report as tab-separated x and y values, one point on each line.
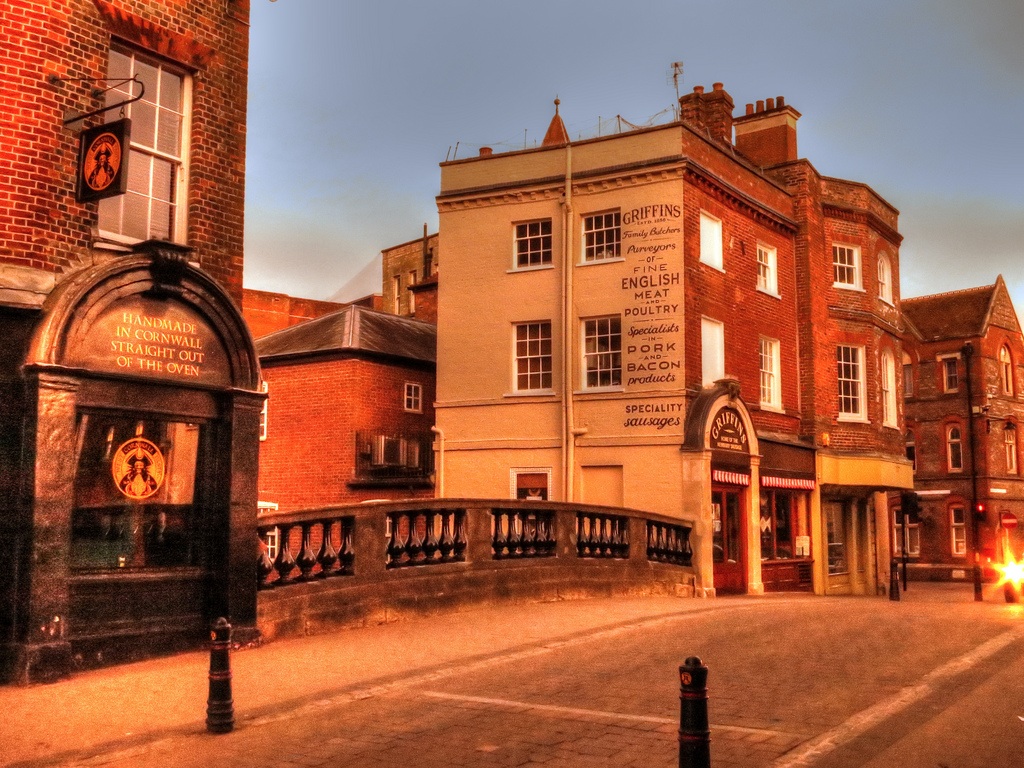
1010	448
529	358
884	278
913	536
950	373
601	352
531	240
111	210
954	448
846	267
602	237
850	372
265	412
890	409
958	530
1006	370
396	283
712	350
770	360
515	472
711	241
412	400
767	269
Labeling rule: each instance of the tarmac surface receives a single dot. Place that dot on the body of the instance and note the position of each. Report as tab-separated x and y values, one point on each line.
935	680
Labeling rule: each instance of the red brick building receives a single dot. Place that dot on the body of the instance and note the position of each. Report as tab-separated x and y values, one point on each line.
701	325
349	412
129	384
962	370
266	312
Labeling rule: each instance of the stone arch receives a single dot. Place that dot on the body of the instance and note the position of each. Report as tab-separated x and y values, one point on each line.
725	393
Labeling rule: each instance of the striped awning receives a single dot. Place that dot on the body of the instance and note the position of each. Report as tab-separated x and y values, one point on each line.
730	478
792	483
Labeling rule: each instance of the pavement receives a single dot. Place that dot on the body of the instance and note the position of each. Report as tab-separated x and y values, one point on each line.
935	680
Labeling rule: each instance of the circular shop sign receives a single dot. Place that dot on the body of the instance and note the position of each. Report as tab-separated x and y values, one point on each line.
138	468
102	160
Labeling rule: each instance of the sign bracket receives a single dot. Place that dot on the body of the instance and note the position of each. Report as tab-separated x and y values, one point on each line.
97	92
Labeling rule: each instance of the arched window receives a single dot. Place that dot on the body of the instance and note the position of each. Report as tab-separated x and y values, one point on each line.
1005	370
884	279
1010	446
889	417
954	449
911	444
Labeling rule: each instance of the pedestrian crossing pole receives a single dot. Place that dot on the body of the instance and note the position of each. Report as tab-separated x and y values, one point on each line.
694	730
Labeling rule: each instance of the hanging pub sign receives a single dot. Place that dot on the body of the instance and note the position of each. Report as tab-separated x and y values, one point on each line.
103	161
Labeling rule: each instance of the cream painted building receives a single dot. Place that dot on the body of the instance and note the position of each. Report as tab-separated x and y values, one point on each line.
620	323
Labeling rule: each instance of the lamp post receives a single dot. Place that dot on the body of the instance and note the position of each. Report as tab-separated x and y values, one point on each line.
968	351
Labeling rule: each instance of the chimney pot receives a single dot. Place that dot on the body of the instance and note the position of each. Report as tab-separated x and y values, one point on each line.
760	105
750	109
770	104
486	151
717	86
780	102
698	89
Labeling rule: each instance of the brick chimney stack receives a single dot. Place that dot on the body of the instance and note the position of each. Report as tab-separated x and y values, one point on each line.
766	134
709	112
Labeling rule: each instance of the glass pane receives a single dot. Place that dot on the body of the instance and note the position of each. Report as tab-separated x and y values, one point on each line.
118	68
110	213
149	76
160	227
783	526
168	139
144	124
163	179
170	91
732	522
136	216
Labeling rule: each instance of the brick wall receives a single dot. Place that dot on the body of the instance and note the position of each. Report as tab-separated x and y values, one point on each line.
41	224
266	312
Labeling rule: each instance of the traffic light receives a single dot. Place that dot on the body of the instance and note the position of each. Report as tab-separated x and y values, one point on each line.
979	512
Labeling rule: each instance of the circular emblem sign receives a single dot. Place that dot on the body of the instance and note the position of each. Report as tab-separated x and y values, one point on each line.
102	159
138	468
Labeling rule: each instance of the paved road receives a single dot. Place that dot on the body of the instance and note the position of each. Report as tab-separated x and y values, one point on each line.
933	681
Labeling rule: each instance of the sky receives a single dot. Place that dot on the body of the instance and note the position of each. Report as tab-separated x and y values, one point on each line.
353	104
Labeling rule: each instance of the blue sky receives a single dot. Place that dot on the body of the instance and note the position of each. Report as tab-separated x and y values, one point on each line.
354	103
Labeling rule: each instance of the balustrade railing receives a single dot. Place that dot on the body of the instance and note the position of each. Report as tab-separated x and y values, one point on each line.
423	537
522	533
602	535
324	547
669	543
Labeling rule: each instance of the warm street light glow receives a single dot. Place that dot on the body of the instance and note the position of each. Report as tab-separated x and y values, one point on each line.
1011	572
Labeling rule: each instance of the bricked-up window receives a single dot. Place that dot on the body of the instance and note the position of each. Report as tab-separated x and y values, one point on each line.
911	446
884	279
908	378
1005	371
950	375
889	414
958	530
767	270
413	397
602	352
771	390
533	356
533	244
954	449
602	236
712	351
156	167
1010	448
846	266
711	241
850	368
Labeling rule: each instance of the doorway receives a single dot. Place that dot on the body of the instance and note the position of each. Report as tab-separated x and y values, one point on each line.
728	550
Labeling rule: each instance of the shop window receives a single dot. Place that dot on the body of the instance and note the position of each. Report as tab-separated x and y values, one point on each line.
850	372
135	494
950	375
958	530
602	352
835	539
889	409
771	389
846	266
1005	371
533	357
413	397
954	449
711	241
712	350
157	170
601	236
767	270
777	525
884	279
533	244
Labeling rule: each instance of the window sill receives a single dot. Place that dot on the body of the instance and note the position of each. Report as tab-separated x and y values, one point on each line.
599	390
772	408
766	292
852	419
715	267
849	287
531	393
594	262
533	268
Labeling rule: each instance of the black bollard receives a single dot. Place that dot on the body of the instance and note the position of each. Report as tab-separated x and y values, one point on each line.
894	580
694	731
220	707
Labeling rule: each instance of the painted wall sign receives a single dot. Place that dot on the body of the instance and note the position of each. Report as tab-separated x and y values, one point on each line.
103	161
138	468
728	432
161	339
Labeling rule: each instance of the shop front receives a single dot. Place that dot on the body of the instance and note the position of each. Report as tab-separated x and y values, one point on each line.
140	436
787	487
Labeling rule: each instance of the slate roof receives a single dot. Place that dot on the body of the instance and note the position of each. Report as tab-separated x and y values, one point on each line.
354	329
954	315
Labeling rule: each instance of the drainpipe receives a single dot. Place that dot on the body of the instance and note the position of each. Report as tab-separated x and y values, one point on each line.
968	351
568	414
439	490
